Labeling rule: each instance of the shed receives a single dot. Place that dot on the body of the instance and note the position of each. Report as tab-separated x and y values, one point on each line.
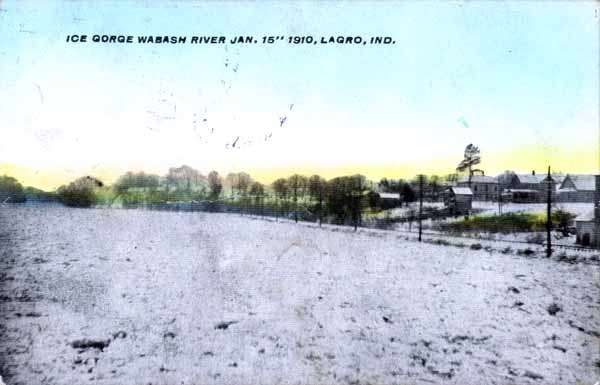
458	200
585	225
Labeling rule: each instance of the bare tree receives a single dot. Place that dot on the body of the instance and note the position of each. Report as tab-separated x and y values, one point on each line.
216	184
316	189
281	189
297	185
257	190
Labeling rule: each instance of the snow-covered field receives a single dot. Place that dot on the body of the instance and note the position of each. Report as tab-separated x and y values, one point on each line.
137	297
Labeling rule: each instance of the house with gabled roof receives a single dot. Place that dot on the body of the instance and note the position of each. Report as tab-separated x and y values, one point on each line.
530	188
577	188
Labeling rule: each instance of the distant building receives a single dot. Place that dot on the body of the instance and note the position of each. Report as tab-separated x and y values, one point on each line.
588	224
458	200
389	200
529	188
577	188
484	188
584	225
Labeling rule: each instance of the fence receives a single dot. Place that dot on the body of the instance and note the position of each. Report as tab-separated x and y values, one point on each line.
287	212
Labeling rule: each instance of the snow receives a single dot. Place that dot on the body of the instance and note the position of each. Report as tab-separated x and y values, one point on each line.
492	207
462	190
196	298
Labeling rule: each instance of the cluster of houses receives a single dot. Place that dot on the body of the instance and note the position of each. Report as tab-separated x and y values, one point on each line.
529	188
533	188
519	188
458	196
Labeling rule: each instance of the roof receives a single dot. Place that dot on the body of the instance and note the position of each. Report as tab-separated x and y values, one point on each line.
478	179
583	182
461	190
530	178
389	195
586	217
565	190
522	190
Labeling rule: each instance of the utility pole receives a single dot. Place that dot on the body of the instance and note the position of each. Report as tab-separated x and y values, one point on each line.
320	204
549	216
399	192
499	197
354	207
359	201
420	206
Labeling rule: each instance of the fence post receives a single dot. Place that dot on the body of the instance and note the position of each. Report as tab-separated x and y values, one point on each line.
499	187
549	215
420	206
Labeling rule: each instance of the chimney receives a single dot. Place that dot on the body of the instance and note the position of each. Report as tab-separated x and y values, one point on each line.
532	172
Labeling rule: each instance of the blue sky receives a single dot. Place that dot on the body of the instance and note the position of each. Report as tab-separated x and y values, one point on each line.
503	75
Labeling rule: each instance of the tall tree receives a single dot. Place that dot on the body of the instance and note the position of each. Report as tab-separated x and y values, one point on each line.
408	193
257	190
358	190
297	185
183	175
435	186
231	181
281	189
80	193
215	184
316	189
11	191
243	182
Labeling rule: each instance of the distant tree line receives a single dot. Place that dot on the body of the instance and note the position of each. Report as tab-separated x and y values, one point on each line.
433	187
11	191
341	200
79	193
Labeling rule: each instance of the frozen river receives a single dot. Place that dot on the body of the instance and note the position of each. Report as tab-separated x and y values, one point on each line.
139	297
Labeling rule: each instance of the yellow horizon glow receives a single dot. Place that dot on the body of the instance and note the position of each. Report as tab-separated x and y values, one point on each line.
576	160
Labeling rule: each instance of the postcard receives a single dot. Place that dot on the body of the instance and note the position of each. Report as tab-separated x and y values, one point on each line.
299	192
